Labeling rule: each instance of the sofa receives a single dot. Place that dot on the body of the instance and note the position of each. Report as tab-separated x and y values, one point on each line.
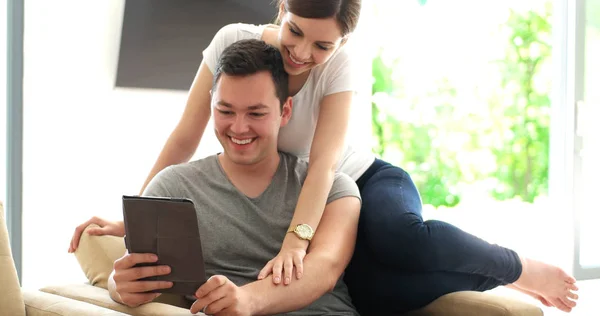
96	255
15	301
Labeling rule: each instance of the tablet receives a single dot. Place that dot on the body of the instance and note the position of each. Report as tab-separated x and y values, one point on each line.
167	227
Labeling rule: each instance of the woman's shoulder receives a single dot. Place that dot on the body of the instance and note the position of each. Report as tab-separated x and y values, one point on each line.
342	58
340	61
339	65
338	74
226	36
238	31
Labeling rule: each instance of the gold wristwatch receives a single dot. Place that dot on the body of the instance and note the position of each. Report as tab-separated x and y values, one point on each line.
303	231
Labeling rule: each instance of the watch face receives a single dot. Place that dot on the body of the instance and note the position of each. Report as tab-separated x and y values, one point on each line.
304	231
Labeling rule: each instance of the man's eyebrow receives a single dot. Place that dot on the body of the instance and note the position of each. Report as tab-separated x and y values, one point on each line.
258	106
223	103
299	30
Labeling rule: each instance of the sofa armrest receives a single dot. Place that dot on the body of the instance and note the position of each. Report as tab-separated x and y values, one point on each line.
11	300
44	304
470	303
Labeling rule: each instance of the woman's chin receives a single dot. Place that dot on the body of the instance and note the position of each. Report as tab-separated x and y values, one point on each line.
294	71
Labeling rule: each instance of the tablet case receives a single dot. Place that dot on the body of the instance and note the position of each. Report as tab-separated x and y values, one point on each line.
167	227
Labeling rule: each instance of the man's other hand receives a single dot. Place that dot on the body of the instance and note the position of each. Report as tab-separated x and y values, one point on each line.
106	228
221	297
132	291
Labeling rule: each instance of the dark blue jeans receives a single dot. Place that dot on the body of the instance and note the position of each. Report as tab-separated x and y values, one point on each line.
403	263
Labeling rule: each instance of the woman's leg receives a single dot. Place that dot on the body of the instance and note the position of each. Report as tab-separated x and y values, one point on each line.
377	289
393	228
392	234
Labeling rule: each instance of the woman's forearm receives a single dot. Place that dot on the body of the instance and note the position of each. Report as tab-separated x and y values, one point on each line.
325	152
314	193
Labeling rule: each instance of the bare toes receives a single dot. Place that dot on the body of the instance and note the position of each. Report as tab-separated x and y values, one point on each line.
568	302
570	279
572	295
572	287
561	306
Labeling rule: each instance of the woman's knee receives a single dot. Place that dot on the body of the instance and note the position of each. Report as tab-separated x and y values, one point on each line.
390	220
392	191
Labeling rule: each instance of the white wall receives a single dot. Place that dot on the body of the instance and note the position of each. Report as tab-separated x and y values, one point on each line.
86	143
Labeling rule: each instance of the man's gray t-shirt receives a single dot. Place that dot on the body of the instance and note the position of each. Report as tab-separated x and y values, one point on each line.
241	234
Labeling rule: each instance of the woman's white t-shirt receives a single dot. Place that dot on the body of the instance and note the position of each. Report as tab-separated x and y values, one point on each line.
332	77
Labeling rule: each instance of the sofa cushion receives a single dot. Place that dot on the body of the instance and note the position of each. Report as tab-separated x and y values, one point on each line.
100	297
11	298
96	255
44	304
468	303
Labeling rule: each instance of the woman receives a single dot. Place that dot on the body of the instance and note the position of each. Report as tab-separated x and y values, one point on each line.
400	262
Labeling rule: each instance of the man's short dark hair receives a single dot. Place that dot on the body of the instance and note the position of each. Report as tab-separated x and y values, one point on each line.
250	56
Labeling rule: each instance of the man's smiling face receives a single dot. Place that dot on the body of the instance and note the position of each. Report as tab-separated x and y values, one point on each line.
247	116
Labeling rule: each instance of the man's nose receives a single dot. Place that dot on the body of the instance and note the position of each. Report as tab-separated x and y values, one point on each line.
240	125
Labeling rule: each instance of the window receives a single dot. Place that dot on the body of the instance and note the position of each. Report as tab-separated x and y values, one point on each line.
586	95
12	90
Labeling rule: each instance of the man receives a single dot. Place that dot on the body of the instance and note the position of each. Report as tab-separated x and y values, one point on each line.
245	199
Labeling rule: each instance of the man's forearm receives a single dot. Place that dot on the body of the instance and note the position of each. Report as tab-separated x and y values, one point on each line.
321	272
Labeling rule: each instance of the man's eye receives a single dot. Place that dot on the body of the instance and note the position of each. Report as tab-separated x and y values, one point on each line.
258	114
225	112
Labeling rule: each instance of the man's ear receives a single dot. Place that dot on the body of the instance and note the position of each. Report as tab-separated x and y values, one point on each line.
286	112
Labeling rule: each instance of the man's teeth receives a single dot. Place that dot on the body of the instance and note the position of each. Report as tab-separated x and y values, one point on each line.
241	141
295	61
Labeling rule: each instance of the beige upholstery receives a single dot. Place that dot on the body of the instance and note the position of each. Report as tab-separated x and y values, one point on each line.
96	256
469	303
44	304
99	296
11	299
16	302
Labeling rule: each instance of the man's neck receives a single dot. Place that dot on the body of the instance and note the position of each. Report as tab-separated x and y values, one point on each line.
253	179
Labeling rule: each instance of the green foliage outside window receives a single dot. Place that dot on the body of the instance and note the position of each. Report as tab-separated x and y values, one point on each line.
503	147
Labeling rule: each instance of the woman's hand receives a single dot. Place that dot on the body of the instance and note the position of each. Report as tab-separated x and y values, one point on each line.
290	258
106	228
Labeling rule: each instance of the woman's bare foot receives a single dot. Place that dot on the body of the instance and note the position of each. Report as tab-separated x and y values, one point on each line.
550	282
532	294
